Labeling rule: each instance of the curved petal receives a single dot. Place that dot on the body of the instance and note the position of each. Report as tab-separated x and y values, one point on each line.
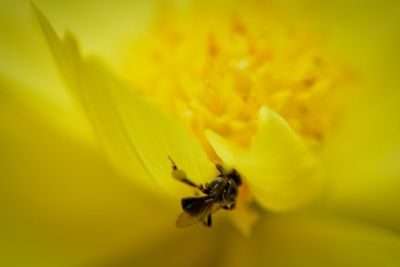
61	202
138	136
103	27
279	169
25	58
20	50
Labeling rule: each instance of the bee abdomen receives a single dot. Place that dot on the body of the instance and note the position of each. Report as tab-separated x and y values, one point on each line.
193	205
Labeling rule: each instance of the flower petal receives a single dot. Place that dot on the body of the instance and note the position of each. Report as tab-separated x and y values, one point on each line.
22	52
26	60
62	203
137	135
279	169
102	27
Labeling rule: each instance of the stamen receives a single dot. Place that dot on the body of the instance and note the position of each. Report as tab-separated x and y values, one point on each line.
218	77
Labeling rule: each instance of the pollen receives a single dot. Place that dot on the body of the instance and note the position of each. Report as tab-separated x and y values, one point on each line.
217	74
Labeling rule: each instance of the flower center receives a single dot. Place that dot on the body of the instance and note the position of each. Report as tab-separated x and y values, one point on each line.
217	75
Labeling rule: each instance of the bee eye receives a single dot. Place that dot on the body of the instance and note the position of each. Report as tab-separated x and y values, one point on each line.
233	193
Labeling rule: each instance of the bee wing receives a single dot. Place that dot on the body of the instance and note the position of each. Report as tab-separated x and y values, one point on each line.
198	211
186	219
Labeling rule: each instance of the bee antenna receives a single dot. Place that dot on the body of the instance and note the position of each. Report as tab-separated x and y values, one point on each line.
173	163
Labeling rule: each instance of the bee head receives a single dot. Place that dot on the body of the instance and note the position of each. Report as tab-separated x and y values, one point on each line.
230	194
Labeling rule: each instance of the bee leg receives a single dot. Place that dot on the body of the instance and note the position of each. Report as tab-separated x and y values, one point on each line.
181	176
209	221
220	168
206	189
231	207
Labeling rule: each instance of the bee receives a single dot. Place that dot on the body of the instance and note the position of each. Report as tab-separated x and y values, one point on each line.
220	193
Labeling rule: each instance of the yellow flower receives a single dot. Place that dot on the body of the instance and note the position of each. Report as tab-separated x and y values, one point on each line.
302	104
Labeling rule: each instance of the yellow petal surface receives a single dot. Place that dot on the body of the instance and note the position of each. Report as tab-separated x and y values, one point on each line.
279	169
313	241
61	202
22	51
26	59
101	27
138	136
303	240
